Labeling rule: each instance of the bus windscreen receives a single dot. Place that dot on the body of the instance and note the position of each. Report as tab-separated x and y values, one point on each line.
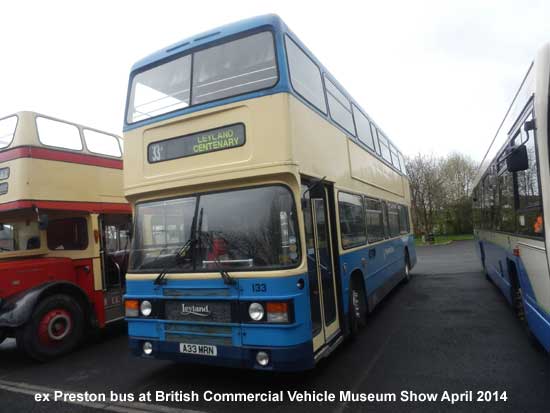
231	68
240	230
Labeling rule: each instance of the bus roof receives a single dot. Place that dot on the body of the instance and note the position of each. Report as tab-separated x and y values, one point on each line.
210	37
38	172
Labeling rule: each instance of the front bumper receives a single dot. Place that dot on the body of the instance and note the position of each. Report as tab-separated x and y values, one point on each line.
291	358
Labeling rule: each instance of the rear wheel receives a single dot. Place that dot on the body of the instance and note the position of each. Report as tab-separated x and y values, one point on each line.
519	309
56	327
357	307
407	268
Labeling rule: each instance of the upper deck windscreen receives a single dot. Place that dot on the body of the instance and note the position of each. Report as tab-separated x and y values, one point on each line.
231	68
7	130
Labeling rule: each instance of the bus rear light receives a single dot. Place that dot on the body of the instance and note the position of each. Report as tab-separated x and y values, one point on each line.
132	308
516	252
277	312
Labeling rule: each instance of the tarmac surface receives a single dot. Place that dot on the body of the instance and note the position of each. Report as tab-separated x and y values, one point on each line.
448	329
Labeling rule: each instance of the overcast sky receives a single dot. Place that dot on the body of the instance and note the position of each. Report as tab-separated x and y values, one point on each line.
437	76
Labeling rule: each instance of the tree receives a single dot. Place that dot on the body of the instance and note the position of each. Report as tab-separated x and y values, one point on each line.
440	193
427	192
458	173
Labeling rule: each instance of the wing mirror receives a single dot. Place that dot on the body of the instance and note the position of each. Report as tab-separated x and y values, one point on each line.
518	160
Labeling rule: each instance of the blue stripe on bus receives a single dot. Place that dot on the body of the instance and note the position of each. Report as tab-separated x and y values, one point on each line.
277	289
496	258
380	268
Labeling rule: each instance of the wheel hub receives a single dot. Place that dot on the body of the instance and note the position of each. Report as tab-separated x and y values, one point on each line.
54	326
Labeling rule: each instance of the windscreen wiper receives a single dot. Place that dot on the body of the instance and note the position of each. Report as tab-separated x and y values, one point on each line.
183	251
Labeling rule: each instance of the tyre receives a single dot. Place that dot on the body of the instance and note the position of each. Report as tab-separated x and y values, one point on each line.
519	309
55	328
407	268
3	335
518	304
357	308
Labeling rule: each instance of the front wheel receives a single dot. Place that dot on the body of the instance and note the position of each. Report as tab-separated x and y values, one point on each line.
407	268
356	307
56	327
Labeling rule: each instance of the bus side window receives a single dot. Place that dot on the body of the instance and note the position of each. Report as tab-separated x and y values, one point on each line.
403	219
375	220
352	221
529	215
68	234
393	219
385	216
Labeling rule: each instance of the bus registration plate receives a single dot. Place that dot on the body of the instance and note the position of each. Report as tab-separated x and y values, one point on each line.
201	349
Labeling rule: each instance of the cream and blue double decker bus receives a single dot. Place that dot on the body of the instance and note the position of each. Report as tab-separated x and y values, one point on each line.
271	213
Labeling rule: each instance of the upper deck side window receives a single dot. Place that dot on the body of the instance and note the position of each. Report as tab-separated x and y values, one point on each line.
59	134
7	131
102	143
339	107
364	132
394	157
305	75
232	68
384	147
402	162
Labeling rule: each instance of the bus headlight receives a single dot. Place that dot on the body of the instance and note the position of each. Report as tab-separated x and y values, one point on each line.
256	311
147	348
146	308
262	358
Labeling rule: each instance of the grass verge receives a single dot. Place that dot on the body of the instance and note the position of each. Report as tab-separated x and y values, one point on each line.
444	239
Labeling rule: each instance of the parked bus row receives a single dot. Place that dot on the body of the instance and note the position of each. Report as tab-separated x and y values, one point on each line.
271	213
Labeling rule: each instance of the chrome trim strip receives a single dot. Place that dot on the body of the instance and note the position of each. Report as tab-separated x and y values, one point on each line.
535	247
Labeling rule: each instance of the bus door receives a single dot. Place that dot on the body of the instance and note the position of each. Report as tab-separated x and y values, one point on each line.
115	245
321	274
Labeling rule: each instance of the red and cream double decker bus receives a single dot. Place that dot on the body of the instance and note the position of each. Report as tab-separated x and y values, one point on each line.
64	232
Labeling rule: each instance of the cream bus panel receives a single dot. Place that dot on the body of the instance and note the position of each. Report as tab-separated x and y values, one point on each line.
265	122
39	179
366	168
319	151
283	135
80	182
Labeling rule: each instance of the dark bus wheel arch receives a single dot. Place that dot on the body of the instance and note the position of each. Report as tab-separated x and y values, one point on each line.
55	328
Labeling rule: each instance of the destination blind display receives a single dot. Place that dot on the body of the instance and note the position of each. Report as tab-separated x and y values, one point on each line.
211	140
